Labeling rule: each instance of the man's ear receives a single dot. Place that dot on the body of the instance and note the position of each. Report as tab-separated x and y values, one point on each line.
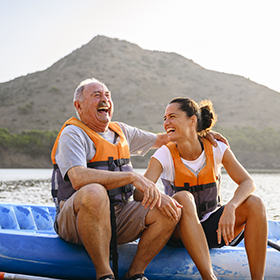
77	105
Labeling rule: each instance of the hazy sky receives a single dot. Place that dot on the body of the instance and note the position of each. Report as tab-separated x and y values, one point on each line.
237	37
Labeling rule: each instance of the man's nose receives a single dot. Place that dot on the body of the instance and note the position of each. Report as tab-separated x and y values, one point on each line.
104	97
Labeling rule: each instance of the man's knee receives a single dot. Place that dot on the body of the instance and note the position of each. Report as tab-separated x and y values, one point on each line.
93	196
155	216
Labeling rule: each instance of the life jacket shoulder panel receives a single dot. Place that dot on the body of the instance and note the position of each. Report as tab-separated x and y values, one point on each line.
108	156
204	186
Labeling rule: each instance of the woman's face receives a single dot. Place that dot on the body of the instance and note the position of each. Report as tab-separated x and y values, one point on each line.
176	123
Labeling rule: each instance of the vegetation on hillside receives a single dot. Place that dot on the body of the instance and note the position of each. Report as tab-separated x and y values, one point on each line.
253	148
33	143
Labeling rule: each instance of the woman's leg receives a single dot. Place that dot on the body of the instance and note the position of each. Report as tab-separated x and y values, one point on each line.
252	214
192	235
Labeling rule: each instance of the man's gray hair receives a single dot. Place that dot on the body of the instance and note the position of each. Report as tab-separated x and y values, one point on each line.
78	94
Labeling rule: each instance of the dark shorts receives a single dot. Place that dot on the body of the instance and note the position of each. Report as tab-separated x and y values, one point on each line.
210	227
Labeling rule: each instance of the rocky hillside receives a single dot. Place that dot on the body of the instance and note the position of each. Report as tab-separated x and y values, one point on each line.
141	81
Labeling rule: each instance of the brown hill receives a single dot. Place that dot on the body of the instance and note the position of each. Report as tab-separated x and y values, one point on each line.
142	82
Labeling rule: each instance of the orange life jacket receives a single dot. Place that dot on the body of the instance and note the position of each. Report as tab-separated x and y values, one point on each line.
108	156
204	186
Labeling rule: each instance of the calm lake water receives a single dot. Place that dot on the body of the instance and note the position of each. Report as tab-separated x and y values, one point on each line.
32	186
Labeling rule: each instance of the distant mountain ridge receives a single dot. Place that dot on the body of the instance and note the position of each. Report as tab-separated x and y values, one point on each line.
142	82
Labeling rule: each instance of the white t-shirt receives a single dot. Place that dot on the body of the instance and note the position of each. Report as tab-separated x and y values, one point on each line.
163	155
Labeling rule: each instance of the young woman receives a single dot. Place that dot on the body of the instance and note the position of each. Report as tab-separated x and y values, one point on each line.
190	168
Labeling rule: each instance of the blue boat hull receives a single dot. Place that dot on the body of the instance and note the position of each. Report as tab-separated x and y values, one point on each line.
29	245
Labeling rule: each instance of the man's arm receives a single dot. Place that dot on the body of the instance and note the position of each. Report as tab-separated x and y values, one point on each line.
81	176
161	140
212	136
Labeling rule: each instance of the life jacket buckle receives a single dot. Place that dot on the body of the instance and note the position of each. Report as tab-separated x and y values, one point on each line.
111	164
120	162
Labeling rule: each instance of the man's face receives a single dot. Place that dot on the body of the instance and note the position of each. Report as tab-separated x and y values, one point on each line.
96	110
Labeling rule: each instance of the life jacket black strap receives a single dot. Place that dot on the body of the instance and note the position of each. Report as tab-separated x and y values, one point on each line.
116	162
206	205
194	189
54	193
125	189
203	207
112	164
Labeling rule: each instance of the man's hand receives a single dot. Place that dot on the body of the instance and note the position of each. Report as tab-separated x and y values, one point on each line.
212	136
169	207
151	194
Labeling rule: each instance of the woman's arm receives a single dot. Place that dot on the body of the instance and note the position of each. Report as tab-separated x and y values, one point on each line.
154	170
152	173
246	187
169	206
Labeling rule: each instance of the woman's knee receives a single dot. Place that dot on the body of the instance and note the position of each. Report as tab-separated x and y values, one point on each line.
184	197
255	203
253	206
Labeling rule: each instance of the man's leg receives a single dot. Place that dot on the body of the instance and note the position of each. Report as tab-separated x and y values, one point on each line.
92	208
153	239
252	213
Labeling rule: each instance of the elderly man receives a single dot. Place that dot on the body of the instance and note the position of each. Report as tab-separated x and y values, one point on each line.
84	154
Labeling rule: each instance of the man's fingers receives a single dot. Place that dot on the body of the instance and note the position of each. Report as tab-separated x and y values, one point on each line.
154	199
171	213
178	204
151	198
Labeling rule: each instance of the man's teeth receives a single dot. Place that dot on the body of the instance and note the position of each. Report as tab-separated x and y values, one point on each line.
103	108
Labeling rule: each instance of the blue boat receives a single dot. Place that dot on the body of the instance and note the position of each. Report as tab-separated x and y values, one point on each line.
29	245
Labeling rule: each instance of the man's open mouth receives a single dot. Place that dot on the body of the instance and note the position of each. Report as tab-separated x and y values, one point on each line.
103	108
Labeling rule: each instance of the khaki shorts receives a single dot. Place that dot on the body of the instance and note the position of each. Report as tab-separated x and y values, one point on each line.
130	220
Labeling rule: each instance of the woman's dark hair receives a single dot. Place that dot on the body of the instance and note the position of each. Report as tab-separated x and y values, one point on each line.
204	112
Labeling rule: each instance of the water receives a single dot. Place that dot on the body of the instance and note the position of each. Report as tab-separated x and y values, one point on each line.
33	186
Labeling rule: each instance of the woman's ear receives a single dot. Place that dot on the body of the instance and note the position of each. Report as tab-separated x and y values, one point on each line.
193	120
